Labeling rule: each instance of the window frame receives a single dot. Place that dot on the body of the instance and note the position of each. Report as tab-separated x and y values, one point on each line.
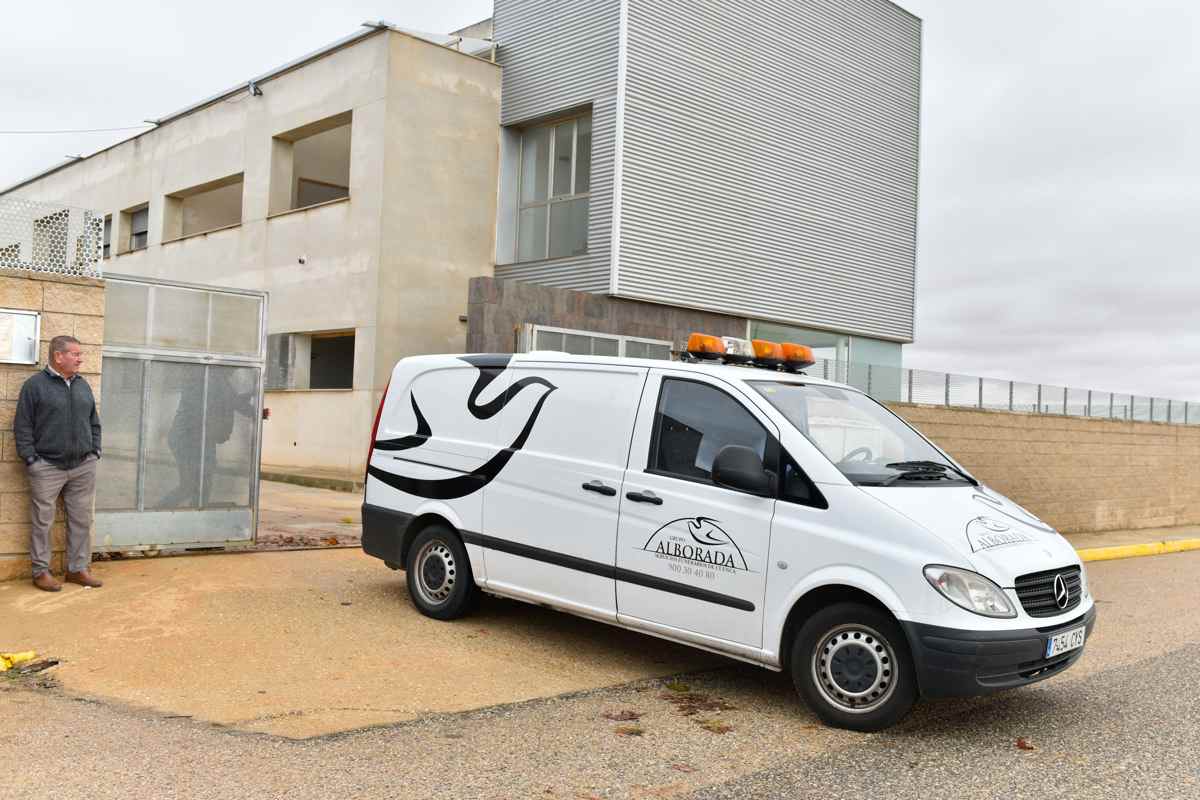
551	199
770	448
621	339
775	455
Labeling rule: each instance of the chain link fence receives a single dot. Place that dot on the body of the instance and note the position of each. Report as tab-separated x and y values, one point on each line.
44	237
896	384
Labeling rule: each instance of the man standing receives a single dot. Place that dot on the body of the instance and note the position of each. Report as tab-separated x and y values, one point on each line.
57	431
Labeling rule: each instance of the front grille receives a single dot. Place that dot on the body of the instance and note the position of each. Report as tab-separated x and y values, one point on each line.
1036	592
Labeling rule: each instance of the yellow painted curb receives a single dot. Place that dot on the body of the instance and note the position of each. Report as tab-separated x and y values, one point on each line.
1134	550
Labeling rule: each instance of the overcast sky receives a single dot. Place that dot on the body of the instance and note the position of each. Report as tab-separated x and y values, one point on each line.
1060	163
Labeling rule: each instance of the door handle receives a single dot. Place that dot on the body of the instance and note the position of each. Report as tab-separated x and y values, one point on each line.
599	488
645	497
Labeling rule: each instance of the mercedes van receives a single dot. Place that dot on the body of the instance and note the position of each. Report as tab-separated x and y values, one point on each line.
726	501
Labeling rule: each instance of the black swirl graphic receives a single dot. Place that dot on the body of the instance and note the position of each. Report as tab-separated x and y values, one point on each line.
409	442
460	486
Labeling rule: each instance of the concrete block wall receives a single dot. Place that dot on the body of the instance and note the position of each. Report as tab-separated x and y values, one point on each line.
1077	474
71	306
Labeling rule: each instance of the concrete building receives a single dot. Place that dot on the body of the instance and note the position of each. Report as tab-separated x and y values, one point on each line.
357	185
649	168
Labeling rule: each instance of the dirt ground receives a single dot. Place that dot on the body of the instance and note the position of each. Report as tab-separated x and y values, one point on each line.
310	642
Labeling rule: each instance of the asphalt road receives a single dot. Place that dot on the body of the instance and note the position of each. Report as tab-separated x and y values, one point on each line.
1125	722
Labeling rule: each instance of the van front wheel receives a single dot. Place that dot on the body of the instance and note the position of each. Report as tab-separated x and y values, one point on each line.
439	574
850	662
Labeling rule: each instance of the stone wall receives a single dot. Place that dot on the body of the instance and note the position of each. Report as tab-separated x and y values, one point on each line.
1076	474
71	306
496	309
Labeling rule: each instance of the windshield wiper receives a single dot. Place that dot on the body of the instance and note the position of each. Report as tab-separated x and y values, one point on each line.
918	467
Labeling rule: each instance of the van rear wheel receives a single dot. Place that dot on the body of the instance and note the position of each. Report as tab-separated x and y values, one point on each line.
850	662
439	574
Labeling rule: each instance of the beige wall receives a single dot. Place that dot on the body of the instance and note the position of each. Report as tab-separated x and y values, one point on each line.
396	255
323	428
442	161
1076	474
71	306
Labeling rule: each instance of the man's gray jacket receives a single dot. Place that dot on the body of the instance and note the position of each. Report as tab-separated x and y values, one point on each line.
56	422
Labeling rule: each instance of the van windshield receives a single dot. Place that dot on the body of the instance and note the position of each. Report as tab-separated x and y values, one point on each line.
869	444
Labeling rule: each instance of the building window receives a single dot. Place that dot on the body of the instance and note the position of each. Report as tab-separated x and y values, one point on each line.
556	181
332	361
135	223
310	361
310	165
206	207
107	235
587	343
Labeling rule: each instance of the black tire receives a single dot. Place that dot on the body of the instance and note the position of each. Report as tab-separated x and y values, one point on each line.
439	575
851	664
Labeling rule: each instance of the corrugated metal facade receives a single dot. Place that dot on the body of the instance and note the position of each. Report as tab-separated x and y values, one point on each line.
559	56
770	160
769	154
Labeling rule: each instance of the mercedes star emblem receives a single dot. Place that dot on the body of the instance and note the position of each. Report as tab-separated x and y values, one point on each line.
1062	595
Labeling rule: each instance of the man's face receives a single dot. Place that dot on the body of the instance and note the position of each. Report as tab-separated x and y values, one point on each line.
68	362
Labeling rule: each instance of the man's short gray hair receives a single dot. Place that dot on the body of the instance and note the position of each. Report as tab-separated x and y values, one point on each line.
59	343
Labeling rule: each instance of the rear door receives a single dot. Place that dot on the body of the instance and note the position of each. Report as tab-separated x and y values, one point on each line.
550	516
692	555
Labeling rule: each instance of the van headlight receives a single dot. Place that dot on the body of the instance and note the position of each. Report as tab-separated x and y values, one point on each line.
970	590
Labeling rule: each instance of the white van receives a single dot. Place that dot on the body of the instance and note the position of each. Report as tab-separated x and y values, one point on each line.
759	513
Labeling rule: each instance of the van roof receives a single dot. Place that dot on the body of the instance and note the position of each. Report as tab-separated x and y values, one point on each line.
727	371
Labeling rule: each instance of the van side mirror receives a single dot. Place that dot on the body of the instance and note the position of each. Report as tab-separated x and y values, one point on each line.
740	468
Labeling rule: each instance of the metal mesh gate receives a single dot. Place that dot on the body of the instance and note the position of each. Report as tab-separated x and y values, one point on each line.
181	400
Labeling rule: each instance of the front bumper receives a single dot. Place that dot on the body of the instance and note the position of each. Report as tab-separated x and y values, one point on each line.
957	663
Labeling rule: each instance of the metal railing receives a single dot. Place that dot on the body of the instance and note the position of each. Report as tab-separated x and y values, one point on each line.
897	384
45	237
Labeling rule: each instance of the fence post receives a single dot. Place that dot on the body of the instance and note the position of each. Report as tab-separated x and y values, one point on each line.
1187	407
947	389
910	372
1112	399
1089	404
1066	397
1151	409
1039	399
868	380
1010	395
1169	404
981	392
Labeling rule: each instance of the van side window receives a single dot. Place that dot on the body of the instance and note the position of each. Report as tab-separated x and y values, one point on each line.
693	422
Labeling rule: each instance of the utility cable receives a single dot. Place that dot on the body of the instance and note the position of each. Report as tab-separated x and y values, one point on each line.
79	130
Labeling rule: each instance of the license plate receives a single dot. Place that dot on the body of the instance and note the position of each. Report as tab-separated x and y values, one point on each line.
1066	641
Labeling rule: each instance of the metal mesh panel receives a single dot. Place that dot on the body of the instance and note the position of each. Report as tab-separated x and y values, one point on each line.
1077	402
1141	408
1054	399
928	387
891	384
121	406
1100	404
963	391
230	414
995	394
50	238
1025	397
175	436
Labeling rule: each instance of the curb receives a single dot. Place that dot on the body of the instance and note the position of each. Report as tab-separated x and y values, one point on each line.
1135	550
314	481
